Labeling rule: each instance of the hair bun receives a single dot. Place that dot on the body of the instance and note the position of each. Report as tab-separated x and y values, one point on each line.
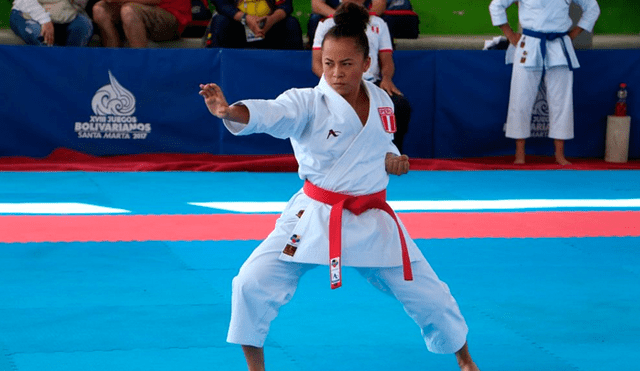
351	15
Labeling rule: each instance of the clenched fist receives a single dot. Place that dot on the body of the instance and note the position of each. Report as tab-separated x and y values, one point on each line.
396	165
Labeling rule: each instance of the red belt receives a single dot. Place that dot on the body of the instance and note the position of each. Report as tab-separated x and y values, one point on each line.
357	205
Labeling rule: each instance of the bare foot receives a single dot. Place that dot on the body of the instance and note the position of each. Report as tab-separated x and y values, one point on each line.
471	367
518	162
560	159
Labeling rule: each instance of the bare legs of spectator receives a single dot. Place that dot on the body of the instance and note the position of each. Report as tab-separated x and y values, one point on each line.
134	27
107	15
103	15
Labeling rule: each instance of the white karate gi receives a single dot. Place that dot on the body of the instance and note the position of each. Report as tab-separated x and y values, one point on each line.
547	16
337	153
379	42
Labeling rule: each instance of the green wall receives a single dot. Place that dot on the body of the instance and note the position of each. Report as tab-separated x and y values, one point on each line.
471	17
467	17
5	8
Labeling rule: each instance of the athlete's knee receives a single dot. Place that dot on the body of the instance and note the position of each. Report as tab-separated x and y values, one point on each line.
243	283
254	283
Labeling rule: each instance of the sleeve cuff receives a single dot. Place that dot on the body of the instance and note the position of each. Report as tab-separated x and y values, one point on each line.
237	128
499	19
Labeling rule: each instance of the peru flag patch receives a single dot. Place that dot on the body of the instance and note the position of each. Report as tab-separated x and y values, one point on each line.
388	119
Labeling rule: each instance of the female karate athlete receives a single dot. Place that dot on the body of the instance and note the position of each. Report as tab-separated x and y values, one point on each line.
544	46
382	67
341	134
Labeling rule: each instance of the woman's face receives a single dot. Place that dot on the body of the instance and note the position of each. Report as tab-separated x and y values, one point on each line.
343	65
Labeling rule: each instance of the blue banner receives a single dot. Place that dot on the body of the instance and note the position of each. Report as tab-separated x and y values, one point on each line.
104	101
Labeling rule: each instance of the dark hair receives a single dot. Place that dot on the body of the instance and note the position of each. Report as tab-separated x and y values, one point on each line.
351	21
352	13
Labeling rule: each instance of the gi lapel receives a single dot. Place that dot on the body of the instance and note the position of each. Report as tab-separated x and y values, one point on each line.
361	143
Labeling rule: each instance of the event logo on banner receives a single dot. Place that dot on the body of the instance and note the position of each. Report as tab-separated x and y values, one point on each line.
113	107
540	114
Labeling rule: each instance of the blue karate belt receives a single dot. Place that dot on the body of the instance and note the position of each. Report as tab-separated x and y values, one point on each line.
549	36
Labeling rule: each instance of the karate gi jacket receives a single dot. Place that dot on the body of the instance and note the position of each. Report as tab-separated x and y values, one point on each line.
547	16
335	152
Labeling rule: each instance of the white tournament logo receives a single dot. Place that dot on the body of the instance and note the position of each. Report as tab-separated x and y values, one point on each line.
540	114
113	99
113	106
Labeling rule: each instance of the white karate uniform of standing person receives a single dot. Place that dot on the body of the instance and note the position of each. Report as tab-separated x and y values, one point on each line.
529	66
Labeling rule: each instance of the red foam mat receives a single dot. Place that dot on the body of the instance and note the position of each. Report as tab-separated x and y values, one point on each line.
231	227
67	160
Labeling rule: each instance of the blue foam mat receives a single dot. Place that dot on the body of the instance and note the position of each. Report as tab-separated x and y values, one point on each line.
531	304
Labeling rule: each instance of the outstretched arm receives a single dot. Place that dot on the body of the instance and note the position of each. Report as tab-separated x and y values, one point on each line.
218	106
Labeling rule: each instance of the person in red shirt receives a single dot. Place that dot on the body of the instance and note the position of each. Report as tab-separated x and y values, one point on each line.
140	21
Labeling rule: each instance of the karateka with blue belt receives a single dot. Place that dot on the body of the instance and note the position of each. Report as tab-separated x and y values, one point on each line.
543	49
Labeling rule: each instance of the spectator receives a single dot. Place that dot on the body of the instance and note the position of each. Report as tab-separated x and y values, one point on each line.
544	48
325	8
256	24
382	68
140	21
49	22
402	20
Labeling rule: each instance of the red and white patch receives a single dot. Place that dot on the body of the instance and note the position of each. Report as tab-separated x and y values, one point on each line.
388	119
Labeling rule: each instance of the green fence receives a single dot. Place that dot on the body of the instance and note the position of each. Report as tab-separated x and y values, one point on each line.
467	17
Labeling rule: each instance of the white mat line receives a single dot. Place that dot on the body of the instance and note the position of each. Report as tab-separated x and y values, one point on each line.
244	207
269	207
57	208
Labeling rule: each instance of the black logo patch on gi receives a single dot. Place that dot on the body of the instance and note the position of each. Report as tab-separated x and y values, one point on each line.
299	214
333	133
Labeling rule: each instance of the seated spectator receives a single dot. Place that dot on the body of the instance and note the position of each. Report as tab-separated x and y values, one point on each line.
382	68
401	19
325	8
140	21
49	22
255	24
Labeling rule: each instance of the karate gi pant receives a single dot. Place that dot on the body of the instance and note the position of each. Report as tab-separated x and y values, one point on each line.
265	283
525	84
